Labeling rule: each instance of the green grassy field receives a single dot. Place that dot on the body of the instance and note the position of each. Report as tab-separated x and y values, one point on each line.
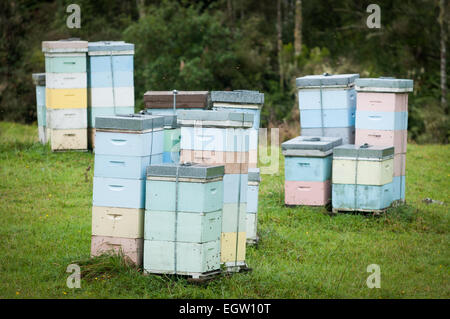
304	253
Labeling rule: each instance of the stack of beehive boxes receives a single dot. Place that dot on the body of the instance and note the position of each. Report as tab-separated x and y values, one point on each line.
244	101
183	219
66	93
327	105
39	82
362	178
125	146
308	164
252	205
110	81
221	138
382	119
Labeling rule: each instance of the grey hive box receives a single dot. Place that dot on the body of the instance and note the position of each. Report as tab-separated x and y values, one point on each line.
65	45
215	118
194	171
170	120
363	151
129	122
238	96
310	146
109	46
326	80
384	84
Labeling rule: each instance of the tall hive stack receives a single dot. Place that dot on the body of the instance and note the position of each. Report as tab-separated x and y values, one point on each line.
362	178
244	101
39	82
110	81
327	105
221	138
382	119
125	146
182	235
308	163
252	205
66	93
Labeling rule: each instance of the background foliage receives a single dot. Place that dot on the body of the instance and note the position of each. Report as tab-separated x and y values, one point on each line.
230	44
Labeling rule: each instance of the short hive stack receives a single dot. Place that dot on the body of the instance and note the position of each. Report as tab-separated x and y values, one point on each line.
382	119
221	138
66	93
362	178
125	146
39	82
327	105
110	81
307	165
183	219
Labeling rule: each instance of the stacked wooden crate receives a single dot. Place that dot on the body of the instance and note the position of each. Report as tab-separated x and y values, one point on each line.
183	219
308	163
327	105
66	93
382	119
244	101
252	205
221	138
171	102
362	178
125	146
39	82
110	81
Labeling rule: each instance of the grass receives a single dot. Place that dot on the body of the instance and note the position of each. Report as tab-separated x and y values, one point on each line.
45	206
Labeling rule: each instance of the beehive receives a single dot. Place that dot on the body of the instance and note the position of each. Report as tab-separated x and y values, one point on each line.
66	93
125	146
252	205
222	138
308	163
164	100
327	105
182	236
110	81
39	82
362	178
382	119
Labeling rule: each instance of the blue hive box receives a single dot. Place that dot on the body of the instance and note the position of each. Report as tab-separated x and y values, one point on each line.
399	188
386	121
119	192
331	118
368	197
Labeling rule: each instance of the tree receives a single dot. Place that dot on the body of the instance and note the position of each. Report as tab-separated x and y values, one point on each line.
298	28
443	50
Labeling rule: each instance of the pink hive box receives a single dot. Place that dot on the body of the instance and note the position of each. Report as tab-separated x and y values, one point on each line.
399	159
131	247
382	102
398	138
307	193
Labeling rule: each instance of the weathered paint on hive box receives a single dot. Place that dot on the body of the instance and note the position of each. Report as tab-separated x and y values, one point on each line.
121	166
370	172
114	143
307	193
191	227
231	191
367	196
65	63
228	247
118	222
331	118
234	162
111	96
160	196
159	256
399	188
231	215
66	80
346	133
252	226
71	139
386	121
131	248
399	164
397	138
66	98
382	102
311	169
331	98
119	192
61	119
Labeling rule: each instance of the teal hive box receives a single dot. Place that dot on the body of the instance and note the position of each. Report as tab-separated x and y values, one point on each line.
368	197
69	63
159	257
231	216
200	182
191	227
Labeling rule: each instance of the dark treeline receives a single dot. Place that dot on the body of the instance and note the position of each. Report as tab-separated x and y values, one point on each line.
251	44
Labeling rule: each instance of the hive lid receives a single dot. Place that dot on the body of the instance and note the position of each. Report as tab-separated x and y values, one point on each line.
238	96
363	151
254	175
170	120
110	46
38	79
184	99
384	84
186	170
319	143
326	79
65	45
223	118
129	122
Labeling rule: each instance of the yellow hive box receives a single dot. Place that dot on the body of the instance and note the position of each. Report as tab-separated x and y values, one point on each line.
118	222
73	139
228	247
369	172
66	98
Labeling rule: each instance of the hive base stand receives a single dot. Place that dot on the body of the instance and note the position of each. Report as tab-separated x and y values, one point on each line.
232	267
193	277
375	212
253	241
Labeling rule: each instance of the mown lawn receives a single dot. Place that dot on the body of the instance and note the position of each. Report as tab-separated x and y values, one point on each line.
45	204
